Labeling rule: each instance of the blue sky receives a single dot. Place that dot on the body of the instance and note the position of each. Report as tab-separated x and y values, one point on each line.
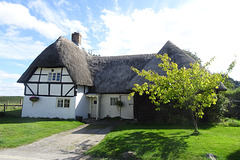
117	27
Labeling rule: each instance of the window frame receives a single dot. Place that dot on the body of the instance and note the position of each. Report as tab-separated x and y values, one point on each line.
54	77
113	100
64	103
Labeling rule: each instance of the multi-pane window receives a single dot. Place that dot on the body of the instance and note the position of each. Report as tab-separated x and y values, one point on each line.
52	76
63	103
113	101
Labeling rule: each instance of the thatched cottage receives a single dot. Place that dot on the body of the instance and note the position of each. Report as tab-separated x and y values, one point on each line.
69	82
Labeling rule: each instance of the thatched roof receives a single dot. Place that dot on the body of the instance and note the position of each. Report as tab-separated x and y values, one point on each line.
112	74
62	53
103	74
176	54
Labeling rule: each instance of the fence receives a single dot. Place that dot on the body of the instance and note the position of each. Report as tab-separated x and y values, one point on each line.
7	105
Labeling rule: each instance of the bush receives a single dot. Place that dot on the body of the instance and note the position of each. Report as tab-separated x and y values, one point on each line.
217	111
234	107
233	94
230	122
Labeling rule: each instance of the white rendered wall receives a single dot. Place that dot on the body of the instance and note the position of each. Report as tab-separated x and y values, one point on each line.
46	107
106	109
82	102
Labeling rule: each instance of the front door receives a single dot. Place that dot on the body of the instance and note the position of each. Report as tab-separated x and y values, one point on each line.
93	107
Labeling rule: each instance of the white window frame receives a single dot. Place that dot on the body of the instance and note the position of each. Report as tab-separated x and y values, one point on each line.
54	77
113	101
65	102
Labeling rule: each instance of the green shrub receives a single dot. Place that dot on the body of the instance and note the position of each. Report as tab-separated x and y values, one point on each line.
234	107
230	122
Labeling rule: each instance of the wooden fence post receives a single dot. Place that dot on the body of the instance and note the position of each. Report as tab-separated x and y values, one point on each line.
4	108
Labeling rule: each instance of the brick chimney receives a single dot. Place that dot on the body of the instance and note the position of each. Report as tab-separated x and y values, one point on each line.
76	38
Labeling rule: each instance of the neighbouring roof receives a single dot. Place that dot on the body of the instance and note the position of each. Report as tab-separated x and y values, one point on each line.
111	74
63	53
176	54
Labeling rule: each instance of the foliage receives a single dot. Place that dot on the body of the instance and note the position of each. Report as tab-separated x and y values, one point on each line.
229	83
169	142
230	122
194	56
192	88
234	106
234	93
119	103
10	99
34	99
217	111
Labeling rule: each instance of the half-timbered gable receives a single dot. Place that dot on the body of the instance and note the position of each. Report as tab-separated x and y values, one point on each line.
50	82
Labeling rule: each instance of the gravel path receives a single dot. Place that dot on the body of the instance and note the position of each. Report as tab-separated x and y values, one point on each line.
68	145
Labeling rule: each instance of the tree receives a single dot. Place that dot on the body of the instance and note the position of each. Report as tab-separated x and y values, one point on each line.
191	88
194	56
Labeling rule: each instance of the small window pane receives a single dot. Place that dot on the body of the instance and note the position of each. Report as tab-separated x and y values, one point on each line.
66	103
54	76
58	76
60	103
49	76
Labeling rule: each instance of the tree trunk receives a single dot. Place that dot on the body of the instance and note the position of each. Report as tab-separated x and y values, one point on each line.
194	119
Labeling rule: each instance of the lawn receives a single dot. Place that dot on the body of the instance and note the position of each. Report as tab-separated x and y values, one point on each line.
170	142
16	131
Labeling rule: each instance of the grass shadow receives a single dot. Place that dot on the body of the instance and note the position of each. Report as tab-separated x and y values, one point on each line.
158	126
11	113
143	143
14	116
234	156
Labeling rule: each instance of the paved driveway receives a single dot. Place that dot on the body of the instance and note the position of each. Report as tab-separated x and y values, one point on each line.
68	145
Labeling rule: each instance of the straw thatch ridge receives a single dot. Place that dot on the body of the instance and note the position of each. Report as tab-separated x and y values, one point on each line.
176	54
112	74
62	53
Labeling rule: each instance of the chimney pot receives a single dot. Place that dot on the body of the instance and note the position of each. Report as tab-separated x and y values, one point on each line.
76	38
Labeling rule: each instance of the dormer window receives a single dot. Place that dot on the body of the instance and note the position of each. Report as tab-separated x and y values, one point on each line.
54	77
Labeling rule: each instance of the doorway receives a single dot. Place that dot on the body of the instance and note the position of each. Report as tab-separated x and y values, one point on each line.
93	107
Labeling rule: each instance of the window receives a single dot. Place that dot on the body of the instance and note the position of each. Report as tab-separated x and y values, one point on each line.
63	103
49	76
52	76
113	101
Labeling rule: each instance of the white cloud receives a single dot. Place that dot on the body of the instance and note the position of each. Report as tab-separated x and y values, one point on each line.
5	75
60	3
15	47
10	87
19	16
209	28
60	19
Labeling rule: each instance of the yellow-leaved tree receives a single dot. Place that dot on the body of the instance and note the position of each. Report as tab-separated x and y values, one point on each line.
192	88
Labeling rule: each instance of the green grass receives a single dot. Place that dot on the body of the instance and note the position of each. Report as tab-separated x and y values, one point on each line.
170	142
16	131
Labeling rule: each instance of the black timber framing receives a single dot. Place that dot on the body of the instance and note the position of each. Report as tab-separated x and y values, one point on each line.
49	86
